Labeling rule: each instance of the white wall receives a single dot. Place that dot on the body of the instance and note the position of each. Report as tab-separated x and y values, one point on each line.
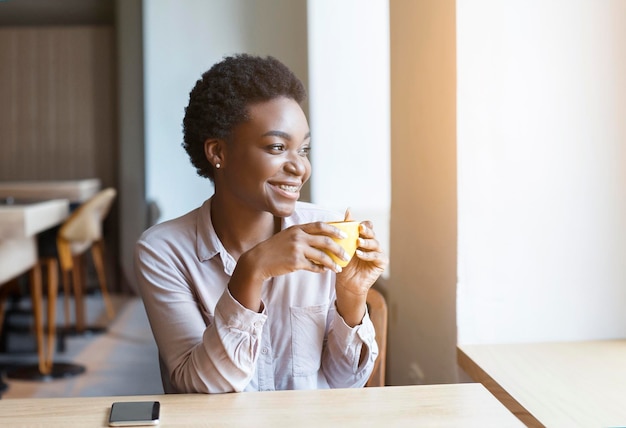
541	170
349	108
182	39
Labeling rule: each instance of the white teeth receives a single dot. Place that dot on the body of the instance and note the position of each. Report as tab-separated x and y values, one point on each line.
292	189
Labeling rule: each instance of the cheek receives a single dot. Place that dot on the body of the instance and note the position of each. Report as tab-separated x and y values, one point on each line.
307	165
262	167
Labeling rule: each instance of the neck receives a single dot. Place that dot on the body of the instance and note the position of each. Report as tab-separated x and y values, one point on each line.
239	229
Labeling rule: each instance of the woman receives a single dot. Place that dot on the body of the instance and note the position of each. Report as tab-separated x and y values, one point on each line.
240	292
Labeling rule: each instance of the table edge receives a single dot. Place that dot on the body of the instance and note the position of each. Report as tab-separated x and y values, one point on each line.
475	372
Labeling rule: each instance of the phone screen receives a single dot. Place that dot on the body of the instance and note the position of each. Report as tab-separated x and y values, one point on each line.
134	413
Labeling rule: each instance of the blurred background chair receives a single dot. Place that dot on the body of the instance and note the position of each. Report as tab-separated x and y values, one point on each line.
81	233
19	256
377	308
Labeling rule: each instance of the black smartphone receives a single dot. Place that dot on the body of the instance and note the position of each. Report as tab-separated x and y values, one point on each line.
134	413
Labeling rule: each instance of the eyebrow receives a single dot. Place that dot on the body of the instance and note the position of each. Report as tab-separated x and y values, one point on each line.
284	135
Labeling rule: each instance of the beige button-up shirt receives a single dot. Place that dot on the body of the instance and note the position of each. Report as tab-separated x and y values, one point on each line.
210	343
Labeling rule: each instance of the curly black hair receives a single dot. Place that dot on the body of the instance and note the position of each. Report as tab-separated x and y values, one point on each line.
219	100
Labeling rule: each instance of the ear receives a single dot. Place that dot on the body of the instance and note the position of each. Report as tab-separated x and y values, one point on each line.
213	150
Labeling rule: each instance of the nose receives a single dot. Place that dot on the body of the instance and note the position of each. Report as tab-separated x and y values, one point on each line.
295	164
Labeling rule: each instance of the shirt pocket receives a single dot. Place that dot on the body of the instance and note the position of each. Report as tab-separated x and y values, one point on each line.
308	327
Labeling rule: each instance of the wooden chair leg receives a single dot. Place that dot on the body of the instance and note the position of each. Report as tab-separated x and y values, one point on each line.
52	270
36	296
65	277
77	283
97	253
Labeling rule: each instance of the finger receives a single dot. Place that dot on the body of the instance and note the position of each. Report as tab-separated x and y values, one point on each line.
322	260
348	215
377	258
314	267
321	228
368	244
321	242
366	229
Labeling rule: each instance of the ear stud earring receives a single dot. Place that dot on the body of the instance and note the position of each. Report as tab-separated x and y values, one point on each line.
218	165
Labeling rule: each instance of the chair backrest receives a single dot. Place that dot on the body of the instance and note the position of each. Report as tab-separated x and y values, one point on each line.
377	308
84	225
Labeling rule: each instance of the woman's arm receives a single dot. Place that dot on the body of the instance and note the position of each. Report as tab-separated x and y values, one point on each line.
350	352
354	282
299	247
353	333
214	358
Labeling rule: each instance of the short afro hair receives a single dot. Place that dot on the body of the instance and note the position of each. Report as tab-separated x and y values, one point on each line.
220	98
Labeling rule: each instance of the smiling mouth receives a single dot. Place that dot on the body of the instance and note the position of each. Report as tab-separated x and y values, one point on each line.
287	188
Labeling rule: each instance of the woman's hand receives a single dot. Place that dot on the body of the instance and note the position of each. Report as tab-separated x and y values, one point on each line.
299	247
368	263
353	283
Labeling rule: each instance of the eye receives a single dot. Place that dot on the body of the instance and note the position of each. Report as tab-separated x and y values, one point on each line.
276	148
304	151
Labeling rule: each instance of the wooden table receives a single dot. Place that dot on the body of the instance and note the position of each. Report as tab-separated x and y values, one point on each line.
75	191
19	225
24	220
564	384
463	405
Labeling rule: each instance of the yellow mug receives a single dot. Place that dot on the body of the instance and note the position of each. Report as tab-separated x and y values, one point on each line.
349	244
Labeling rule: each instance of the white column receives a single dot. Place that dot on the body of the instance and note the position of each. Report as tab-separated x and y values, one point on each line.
349	108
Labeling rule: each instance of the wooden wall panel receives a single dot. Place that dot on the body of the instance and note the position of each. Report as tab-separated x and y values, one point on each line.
58	110
57	103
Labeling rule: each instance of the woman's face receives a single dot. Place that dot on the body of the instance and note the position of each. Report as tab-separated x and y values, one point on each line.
266	162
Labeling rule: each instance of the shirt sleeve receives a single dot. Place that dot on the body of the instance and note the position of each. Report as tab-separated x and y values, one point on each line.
342	353
215	358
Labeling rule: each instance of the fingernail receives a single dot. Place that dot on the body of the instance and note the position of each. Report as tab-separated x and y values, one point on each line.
343	234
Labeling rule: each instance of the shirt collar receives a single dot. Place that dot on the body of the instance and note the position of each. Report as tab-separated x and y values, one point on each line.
207	242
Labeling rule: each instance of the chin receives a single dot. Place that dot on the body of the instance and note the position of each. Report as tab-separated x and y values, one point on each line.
283	210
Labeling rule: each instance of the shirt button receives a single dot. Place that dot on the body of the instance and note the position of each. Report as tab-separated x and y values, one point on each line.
264	351
257	324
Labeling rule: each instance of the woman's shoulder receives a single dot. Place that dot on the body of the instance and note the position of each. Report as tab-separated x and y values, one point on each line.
170	229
